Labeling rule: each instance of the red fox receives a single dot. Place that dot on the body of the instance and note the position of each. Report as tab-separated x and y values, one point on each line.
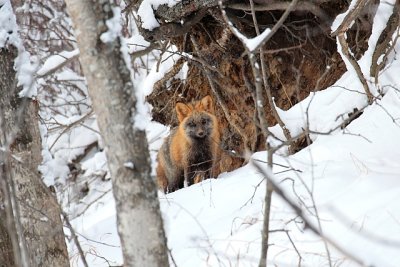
189	154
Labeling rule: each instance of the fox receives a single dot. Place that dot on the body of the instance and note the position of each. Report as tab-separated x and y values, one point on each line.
191	151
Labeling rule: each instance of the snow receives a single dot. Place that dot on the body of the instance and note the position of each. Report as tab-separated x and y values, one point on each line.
60	149
8	25
339	18
25	65
129	165
146	12
385	9
213	223
252	43
114	26
53	62
144	87
157	72
381	18
136	43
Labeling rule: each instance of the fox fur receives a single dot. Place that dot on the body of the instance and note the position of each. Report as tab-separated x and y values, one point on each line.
190	153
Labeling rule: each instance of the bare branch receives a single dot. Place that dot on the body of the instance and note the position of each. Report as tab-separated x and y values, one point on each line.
75	238
59	66
280	22
173	29
382	46
282	5
351	16
357	68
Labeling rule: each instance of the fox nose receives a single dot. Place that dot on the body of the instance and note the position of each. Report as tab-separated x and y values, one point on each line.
200	133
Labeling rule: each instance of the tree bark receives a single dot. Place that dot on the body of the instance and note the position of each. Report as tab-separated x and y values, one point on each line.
140	224
37	230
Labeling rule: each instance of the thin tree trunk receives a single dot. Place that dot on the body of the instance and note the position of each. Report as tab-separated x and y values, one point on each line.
140	224
32	224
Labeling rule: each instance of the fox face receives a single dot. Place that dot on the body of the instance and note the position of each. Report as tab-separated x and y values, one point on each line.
197	120
198	126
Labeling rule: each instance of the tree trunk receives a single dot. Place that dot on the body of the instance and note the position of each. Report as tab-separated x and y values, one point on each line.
36	230
111	90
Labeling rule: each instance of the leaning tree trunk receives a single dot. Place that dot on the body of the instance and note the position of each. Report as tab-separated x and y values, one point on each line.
31	232
140	224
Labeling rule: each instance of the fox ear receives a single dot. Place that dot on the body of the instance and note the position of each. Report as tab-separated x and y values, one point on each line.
182	111
207	104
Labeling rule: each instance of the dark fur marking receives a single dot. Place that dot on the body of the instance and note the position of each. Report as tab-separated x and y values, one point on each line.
200	159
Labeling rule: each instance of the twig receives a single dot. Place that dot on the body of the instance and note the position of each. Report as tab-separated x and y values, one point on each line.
340	34
59	66
357	68
207	238
299	212
350	17
173	29
385	43
92	202
172	257
97	242
367	234
250	200
145	51
281	5
71	125
279	23
295	248
75	238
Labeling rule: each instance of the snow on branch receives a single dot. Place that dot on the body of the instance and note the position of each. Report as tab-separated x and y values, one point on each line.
344	22
55	62
252	43
169	10
383	13
114	26
346	19
257	42
25	65
162	19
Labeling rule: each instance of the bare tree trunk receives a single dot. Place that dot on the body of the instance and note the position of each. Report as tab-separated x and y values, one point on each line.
140	224
32	227
6	250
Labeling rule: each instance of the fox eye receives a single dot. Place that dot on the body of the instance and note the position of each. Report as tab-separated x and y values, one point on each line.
191	124
204	121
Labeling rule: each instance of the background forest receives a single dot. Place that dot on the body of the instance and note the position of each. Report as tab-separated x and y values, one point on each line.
307	95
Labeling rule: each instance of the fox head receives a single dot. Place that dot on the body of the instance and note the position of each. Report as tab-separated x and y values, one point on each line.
197	119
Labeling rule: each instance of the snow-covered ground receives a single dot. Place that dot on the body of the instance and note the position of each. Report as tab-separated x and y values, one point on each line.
352	180
349	180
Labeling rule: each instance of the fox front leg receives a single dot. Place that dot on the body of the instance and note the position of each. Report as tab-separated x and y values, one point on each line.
190	176
185	180
199	177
